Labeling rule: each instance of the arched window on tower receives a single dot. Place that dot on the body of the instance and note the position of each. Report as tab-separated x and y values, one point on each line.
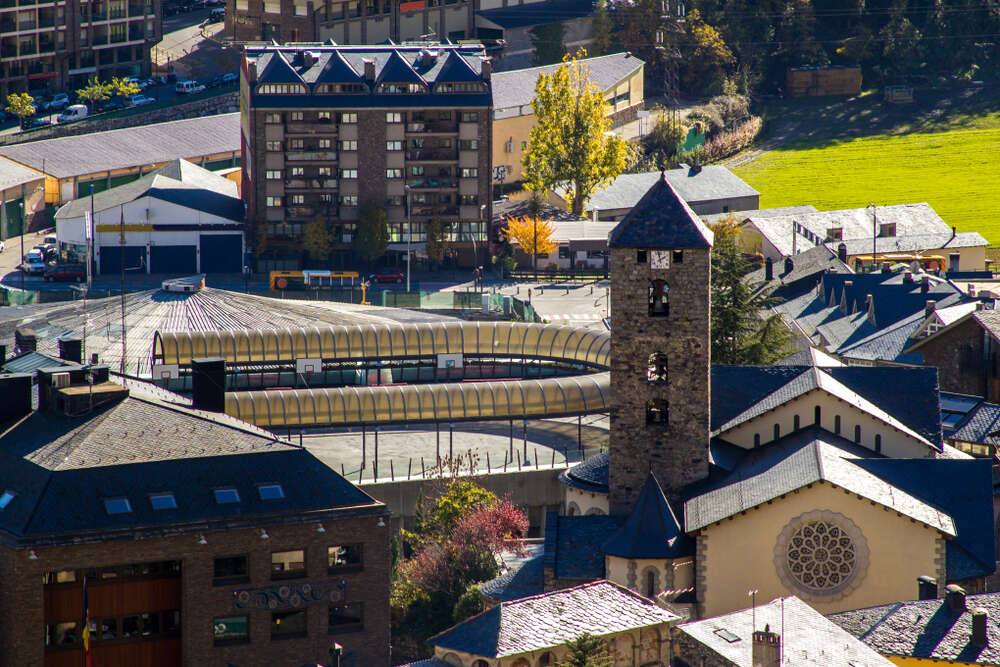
657	368
659	301
657	412
651	584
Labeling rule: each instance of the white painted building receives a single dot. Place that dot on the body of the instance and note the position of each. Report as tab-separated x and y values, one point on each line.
178	219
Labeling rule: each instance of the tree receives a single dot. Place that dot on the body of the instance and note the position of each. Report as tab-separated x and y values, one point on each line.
316	240
739	336
600	29
21	105
94	92
547	43
123	88
569	147
372	237
708	59
587	650
901	44
435	243
533	234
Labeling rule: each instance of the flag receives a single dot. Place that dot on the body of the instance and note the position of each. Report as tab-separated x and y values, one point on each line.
85	634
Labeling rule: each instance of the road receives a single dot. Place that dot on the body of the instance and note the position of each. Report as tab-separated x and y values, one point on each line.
570	303
187	46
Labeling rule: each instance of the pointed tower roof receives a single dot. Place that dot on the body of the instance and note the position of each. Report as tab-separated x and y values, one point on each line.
456	69
651	530
278	70
397	70
661	219
338	70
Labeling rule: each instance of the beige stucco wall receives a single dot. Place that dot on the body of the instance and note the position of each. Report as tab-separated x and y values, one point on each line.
970	259
895	443
737	554
576	502
670	574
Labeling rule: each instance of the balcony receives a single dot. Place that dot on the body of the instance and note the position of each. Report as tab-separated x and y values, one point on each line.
311	183
429	183
328	156
311	128
8	26
432	155
301	211
432	126
26	25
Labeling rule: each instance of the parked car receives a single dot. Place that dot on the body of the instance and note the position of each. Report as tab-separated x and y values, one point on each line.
214	82
188	87
3	246
387	276
74	113
230	77
111	105
37	121
33	262
59	102
215	3
216	15
140	100
75	272
51	238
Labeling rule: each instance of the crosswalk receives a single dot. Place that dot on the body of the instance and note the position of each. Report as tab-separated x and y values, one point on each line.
559	317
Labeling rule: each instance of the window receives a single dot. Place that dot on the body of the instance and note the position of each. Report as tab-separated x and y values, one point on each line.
325	143
393	173
231	629
659	302
271	492
227	495
678	256
469	117
878	443
756	439
777	431
508	146
287	564
296	144
288	624
394	145
417	171
323	171
795	423
817	415
107	629
324	117
281	89
296	116
230	569
524	146
657	412
836	425
130	626
272	118
273	174
857	433
640	256
346	617
273	145
469	144
118	506
163	501
470	172
835	234
348	145
651	584
298	200
657	368
400	88
394	200
468	200
341	88
461	87
6	498
298	171
272	201
59	577
349	117
348	173
343	556
348	200
61	634
563	252
393	117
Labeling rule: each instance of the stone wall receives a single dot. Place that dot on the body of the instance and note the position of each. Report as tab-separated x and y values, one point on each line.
958	355
693	652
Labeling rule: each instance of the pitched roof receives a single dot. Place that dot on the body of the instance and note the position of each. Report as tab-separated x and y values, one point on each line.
807	638
651	530
926	629
29	362
130	147
520	575
799	459
661	219
551	619
516	88
397	70
980	423
589	475
912	242
13	174
571	544
760	213
537	13
709	183
334	69
457	69
278	70
809	264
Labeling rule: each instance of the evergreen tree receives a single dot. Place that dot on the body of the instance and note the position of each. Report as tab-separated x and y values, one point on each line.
316	240
547	43
600	30
587	650
372	237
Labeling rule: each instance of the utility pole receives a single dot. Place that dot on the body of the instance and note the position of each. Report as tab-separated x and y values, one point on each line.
872	206
672	14
408	227
121	241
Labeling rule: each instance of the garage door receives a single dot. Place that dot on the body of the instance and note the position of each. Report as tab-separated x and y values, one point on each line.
135	259
173	259
222	253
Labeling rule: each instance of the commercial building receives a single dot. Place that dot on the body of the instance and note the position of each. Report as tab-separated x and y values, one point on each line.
54	47
184	536
330	130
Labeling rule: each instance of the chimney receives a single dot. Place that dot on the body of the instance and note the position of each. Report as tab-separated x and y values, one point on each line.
930	307
768	269
886	267
926	588
925	284
486	65
789	265
71	349
16	391
955	598
25	339
369	70
208	380
953	262
766	648
251	72
979	618
306	58
842	252
954	233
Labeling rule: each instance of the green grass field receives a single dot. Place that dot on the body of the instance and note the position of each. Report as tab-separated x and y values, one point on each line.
951	162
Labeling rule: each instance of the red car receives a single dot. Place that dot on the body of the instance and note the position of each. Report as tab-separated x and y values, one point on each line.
387	276
75	272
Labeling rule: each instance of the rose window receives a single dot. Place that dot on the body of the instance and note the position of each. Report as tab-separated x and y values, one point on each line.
821	556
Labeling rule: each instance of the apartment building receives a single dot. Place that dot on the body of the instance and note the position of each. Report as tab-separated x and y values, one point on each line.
56	46
329	130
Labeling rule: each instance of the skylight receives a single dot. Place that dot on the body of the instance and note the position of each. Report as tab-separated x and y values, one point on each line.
227	496
6	498
727	635
118	506
271	492
163	501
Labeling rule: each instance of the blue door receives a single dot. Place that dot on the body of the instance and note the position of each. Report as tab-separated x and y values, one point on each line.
222	253
135	259
178	259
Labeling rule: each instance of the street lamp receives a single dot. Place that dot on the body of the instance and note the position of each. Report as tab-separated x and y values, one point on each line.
408	227
871	205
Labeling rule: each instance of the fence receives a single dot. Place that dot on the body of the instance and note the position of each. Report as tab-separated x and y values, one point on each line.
560	275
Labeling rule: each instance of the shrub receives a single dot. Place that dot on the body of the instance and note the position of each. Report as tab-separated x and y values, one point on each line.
732	141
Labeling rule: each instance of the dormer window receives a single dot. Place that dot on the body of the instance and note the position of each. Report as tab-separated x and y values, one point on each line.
659	302
271	492
401	88
227	496
118	506
461	87
281	89
835	234
163	501
341	89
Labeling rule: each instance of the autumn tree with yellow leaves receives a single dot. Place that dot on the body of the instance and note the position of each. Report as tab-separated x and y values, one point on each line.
535	235
569	148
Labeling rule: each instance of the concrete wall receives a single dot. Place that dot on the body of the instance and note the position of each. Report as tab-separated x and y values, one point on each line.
577	502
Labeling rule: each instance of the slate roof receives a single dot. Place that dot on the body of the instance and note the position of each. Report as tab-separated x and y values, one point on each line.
551	619
394	63
811	264
911	242
516	88
708	183
760	213
566	535
63	468
926	629
178	182
807	638
980	425
651	529
427	662
805	457
130	147
29	362
588	475
520	576
661	219
537	13
856	223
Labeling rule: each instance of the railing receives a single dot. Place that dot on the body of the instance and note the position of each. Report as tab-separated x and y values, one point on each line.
311	155
301	211
432	183
431	126
312	183
428	154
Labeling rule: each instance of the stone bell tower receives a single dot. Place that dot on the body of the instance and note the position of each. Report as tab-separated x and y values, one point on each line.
660	347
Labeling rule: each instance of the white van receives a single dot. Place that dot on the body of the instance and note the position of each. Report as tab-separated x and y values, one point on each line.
73	113
188	87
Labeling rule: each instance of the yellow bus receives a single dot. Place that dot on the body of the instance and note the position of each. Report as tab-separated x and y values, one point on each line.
864	264
310	279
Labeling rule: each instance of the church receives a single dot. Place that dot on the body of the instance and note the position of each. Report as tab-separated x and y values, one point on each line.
810	478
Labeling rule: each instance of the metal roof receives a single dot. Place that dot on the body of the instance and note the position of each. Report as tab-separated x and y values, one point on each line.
13	174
